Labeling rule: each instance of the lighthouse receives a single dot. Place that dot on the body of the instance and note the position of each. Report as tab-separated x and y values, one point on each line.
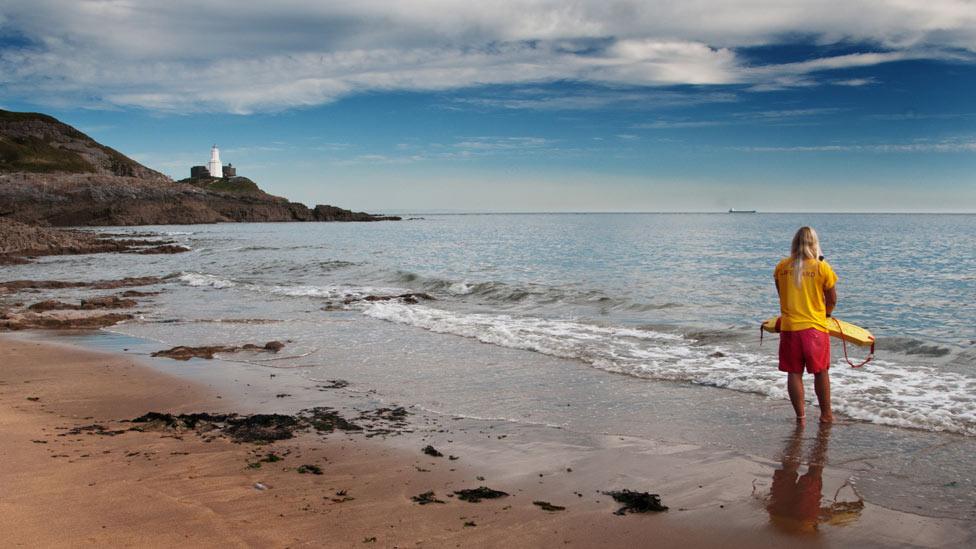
214	166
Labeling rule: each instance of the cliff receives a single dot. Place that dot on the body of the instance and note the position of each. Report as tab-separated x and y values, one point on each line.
53	174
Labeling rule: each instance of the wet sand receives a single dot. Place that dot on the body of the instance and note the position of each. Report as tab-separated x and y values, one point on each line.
86	487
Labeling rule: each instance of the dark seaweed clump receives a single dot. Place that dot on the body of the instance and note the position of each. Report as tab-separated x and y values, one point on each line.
94	429
309	469
157	420
334	384
258	428
546	506
326	420
636	502
474	495
261	427
431	451
425	498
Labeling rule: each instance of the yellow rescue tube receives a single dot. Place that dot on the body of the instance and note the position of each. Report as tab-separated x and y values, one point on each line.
837	328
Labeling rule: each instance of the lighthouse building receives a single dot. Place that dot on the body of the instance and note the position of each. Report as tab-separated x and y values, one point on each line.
213	168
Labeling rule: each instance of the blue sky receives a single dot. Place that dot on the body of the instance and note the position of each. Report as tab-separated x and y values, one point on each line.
425	105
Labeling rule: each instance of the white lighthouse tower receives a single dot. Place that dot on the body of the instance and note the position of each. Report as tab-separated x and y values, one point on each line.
214	166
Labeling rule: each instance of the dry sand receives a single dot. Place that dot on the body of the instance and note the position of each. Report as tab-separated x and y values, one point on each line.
153	489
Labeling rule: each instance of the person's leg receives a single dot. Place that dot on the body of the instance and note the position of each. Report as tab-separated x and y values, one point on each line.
791	361
794	386
821	384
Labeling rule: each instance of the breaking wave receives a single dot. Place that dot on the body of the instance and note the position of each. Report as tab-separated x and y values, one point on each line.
883	393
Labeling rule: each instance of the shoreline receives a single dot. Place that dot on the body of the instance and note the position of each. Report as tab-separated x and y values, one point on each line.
148	487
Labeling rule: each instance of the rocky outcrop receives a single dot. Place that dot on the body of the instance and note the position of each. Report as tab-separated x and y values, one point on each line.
101	302
19	240
59	320
208	352
52	174
21	285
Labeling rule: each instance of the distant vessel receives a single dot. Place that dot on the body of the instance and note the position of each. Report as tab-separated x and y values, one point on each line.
735	211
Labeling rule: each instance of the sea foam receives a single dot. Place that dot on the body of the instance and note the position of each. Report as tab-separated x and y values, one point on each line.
884	392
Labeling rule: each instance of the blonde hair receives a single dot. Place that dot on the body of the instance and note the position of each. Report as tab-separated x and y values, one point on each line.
806	245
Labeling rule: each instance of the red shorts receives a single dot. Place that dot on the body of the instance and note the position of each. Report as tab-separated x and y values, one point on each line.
810	348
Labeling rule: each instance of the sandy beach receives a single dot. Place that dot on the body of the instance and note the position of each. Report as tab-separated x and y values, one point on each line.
75	474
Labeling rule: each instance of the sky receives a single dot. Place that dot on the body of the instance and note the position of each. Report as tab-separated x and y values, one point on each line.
533	105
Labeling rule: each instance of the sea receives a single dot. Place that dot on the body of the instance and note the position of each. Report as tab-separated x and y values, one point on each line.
642	324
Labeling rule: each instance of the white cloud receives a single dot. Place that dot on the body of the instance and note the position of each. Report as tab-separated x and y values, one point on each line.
777	117
245	55
924	147
855	82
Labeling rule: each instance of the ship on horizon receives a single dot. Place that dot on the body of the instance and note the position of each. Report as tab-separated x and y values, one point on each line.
735	211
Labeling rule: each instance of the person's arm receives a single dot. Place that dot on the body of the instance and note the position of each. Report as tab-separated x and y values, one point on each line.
830	299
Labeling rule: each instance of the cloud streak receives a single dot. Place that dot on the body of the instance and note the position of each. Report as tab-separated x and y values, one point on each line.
244	56
941	147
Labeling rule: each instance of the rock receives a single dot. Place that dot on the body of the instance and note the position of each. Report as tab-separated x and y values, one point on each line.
274	346
186	353
60	320
96	285
106	302
165	249
12	260
324	212
431	451
208	352
137	293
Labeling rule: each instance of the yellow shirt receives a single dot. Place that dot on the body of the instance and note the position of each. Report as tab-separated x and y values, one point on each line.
804	307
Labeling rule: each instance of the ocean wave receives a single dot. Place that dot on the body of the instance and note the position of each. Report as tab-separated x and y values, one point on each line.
201	279
883	392
504	293
911	346
328	292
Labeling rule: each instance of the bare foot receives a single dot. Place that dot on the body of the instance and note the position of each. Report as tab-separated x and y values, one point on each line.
827	418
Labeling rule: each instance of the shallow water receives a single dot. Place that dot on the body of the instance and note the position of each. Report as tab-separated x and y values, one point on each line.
674	297
642	325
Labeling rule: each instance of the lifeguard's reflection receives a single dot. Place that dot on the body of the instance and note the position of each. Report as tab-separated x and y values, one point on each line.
796	502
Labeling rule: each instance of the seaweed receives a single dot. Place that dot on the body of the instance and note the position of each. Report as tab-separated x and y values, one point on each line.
546	506
474	495
324	419
309	469
334	384
94	429
431	451
261	428
425	498
158	420
636	502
